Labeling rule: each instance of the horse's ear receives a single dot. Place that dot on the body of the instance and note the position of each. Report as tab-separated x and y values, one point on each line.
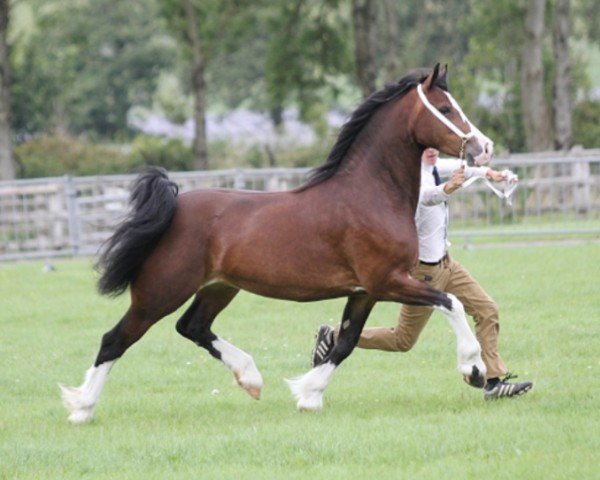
441	81
443	72
431	79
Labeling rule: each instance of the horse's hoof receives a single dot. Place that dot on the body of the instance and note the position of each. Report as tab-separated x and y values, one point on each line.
254	392
313	403
251	385
307	400
79	417
476	379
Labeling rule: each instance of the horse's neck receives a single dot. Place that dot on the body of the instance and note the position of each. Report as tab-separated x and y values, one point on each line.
387	152
388	177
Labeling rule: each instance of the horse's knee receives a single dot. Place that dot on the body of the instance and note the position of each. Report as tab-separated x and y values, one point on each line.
183	329
192	331
187	325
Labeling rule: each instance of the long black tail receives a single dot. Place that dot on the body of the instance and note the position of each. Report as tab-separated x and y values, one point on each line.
153	203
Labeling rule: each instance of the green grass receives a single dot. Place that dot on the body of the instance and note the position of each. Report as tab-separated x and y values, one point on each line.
170	411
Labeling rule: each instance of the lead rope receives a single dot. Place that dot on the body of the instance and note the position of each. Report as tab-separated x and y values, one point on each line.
461	153
509	185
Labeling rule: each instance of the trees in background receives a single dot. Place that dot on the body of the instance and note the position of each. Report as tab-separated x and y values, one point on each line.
534	108
364	18
308	59
7	169
534	68
562	93
79	67
205	28
183	18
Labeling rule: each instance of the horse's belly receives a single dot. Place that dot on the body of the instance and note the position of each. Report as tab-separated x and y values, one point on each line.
288	273
299	293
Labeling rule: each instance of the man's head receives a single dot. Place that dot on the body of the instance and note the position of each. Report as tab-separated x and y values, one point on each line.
430	156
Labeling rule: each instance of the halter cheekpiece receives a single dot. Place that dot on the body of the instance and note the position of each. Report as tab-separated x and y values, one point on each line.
464	137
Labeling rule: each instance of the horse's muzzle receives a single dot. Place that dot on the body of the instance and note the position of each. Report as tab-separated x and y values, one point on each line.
482	158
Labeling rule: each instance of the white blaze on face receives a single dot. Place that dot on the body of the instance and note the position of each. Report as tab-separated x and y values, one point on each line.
455	104
485	143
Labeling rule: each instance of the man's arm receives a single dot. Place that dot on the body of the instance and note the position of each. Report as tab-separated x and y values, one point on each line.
446	166
430	195
434	195
456	181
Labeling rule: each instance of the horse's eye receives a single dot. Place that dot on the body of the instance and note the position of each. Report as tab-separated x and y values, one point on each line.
444	110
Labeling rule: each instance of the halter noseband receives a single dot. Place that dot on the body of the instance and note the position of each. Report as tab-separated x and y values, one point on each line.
464	137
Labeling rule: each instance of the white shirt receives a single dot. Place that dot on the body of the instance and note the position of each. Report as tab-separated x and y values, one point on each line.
432	212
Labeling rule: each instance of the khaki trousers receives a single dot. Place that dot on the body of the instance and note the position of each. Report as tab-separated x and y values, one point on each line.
451	277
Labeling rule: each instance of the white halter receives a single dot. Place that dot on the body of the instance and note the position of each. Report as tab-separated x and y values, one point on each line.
462	135
503	189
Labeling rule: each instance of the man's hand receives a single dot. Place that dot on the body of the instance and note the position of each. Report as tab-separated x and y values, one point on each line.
458	178
495	175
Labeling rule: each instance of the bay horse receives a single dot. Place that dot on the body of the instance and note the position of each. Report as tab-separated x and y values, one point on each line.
348	231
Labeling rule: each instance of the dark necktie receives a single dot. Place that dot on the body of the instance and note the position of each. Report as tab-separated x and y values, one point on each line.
436	176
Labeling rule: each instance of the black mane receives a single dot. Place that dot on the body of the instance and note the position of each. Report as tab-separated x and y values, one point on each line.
359	118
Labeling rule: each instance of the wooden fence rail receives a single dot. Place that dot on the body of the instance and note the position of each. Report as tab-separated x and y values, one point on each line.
557	193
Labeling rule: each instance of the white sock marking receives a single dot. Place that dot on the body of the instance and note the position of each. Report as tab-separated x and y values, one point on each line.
80	401
240	363
308	389
468	348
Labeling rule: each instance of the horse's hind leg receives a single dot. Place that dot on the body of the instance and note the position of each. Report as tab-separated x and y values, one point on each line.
80	401
408	290
308	389
470	363
195	325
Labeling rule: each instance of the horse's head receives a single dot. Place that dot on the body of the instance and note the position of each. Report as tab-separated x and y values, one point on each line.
441	123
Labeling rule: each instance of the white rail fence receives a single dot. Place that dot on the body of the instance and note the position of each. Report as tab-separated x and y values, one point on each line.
558	193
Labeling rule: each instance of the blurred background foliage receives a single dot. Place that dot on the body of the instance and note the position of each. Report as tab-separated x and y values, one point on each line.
81	70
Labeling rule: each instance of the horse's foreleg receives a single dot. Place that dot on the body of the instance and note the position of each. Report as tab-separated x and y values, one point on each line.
80	401
308	389
195	325
470	364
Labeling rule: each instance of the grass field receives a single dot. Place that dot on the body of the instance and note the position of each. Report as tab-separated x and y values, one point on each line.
170	411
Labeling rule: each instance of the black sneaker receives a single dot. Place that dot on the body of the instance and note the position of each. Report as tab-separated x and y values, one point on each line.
323	345
503	388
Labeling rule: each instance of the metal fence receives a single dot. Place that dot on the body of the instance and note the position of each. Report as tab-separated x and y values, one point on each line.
558	193
67	215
